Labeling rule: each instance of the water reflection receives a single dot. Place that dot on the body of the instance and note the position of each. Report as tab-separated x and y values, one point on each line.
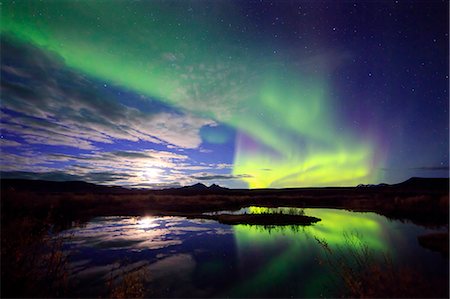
334	223
147	223
202	258
290	256
108	246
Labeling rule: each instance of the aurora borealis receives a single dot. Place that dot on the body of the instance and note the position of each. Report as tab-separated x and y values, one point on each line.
242	94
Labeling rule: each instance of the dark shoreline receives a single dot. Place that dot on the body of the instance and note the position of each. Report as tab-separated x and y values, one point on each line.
422	201
31	211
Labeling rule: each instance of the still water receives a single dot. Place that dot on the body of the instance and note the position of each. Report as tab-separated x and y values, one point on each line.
182	257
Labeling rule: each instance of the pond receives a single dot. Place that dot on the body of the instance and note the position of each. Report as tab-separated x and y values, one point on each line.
179	257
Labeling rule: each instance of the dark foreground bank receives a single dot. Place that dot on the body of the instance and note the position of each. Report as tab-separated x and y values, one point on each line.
33	211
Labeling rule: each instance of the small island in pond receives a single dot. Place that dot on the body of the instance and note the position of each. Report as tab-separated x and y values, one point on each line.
264	219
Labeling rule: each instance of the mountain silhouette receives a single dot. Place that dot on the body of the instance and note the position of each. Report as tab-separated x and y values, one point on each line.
412	184
198	188
195	187
215	187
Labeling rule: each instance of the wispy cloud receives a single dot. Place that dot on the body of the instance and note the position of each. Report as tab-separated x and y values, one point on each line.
210	176
432	168
6	142
56	106
49	176
46	105
146	169
421	168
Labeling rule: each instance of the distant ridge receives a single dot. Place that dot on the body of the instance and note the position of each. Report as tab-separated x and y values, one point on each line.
415	183
55	186
425	183
412	184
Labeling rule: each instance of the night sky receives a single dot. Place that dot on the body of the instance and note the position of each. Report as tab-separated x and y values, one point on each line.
242	94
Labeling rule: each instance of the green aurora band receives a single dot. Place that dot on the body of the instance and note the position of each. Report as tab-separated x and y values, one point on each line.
204	57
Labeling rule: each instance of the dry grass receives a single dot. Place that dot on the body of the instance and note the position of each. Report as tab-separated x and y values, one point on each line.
359	272
127	283
33	262
130	286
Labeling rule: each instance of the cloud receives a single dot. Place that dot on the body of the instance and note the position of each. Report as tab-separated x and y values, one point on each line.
60	176
46	103
156	185
222	166
422	168
48	176
6	142
130	162
432	168
144	169
106	177
127	167
208	177
131	154
22	161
